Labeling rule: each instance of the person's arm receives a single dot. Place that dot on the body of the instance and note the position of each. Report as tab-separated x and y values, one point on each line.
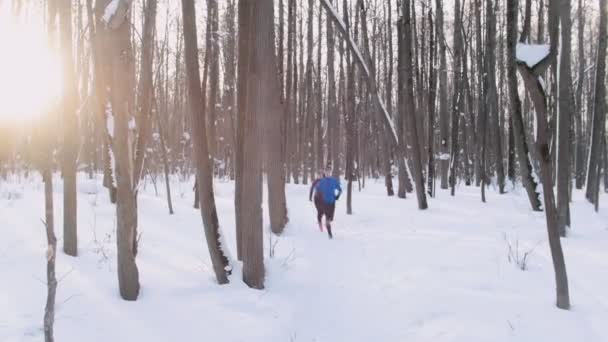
312	188
339	191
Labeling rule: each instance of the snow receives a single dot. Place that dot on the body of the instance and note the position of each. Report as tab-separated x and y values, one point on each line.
132	124
110	11
531	54
110	121
392	273
443	156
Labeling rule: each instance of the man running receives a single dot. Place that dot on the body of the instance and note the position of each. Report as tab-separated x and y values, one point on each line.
327	190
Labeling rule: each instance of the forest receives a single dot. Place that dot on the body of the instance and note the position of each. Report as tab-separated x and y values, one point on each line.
188	134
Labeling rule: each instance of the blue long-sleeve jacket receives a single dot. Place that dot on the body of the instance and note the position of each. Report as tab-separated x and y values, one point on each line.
328	188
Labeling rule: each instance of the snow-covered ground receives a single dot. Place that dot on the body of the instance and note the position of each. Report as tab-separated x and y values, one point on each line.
392	273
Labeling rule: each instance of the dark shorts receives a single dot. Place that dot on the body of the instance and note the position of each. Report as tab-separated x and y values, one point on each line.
324	208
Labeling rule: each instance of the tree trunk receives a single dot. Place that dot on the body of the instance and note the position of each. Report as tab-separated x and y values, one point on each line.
492	95
537	93
51	255
244	28
117	39
261	73
213	52
580	157
564	122
410	109
431	107
204	169
443	98
457	97
333	119
517	122
599	109
273	114
349	120
70	132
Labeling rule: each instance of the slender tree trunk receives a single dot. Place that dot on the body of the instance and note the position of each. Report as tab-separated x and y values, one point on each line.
349	120
431	107
564	122
204	172
244	27
599	109
332	108
165	158
443	98
406	40
492	95
213	52
457	97
70	131
51	255
274	115
580	157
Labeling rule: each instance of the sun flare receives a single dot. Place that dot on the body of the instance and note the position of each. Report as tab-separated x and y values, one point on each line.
30	71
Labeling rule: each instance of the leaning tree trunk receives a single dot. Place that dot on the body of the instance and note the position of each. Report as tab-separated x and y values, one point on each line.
370	82
523	155
204	170
531	77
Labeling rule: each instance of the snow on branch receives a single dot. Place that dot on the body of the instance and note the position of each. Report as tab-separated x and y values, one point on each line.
116	12
532	55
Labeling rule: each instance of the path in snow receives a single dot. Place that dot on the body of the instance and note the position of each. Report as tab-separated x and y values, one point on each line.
392	273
